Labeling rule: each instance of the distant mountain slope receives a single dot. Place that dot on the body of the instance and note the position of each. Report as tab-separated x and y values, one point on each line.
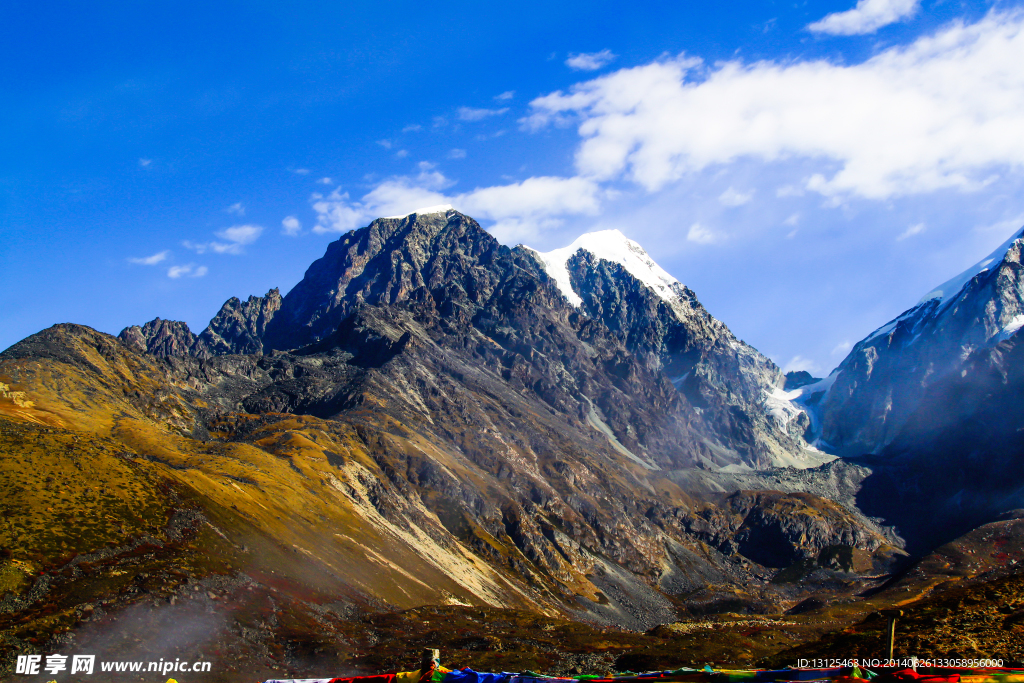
958	460
885	377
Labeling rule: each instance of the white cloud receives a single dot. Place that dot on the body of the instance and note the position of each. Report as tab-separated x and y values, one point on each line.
151	260
187	270
505	96
291	225
472	114
301	171
519	210
842	348
867	17
236	209
236	237
324	181
733	197
413	127
457	154
401	154
591	61
941	113
1002	227
792	220
145	162
798	363
911	231
386	144
702	235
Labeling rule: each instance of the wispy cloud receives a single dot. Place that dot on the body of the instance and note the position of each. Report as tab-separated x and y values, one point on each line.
842	348
401	154
325	181
300	171
867	17
733	197
291	225
386	144
911	231
505	96
700	234
799	363
457	154
151	260
236	209
235	239
145	162
590	61
519	210
411	128
472	114
187	270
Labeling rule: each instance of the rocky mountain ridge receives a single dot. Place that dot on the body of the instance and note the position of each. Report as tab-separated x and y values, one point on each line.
445	261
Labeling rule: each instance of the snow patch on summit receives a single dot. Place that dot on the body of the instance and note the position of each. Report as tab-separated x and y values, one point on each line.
439	208
950	287
613	246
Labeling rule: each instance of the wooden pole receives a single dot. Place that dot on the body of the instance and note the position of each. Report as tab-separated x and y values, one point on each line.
892	636
892	632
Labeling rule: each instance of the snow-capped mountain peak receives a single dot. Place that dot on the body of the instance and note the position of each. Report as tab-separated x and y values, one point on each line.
950	287
613	246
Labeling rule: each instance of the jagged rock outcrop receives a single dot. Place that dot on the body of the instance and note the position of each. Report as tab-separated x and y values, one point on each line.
239	327
883	380
162	338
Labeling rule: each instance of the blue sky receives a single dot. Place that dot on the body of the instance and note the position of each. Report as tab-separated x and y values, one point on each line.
810	169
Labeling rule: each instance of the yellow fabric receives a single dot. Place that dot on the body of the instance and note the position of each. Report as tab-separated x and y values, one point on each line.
414	676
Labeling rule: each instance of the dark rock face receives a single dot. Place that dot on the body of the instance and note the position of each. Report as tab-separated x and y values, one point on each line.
447	256
161	338
799	378
772	528
883	380
239	327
